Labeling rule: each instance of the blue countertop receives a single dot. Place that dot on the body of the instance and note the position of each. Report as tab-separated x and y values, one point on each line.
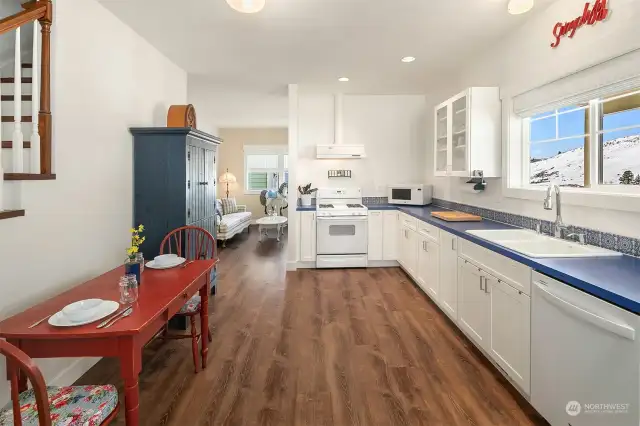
613	279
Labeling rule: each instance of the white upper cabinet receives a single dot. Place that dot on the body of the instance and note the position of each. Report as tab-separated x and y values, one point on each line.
468	134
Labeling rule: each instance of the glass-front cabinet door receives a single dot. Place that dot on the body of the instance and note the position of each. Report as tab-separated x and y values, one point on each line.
442	141
459	136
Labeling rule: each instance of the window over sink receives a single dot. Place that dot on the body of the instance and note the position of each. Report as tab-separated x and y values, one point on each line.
590	145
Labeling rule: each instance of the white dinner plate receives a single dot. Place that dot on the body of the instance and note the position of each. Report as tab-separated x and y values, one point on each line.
152	264
60	320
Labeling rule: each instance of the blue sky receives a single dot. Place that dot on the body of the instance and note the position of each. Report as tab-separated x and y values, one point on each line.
573	124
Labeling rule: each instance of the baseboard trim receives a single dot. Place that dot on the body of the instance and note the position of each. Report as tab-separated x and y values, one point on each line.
292	266
306	265
382	264
73	372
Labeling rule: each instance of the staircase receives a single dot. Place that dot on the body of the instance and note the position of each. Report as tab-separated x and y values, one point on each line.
25	127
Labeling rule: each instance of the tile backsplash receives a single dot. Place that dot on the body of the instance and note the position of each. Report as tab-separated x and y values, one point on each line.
626	245
375	200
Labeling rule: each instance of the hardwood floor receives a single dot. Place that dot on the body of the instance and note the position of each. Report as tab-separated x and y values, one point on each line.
320	347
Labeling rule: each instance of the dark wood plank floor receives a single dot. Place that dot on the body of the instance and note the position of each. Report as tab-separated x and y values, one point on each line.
332	347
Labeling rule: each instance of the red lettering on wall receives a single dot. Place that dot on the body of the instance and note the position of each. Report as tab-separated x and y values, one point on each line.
589	16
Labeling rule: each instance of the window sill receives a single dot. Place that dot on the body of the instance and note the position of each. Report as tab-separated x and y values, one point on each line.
248	192
585	198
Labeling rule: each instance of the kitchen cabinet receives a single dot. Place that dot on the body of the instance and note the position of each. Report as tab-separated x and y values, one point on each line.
474	307
308	236
390	231
468	134
448	269
428	265
409	250
496	316
510	322
375	235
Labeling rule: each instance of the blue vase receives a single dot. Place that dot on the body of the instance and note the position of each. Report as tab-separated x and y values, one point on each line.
133	268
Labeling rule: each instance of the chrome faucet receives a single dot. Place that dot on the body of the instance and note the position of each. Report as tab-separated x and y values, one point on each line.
548	205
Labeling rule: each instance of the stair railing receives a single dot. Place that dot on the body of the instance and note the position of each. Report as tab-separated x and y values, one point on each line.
40	12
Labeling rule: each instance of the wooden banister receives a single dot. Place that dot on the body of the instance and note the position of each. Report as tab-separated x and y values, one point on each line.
31	14
44	122
40	12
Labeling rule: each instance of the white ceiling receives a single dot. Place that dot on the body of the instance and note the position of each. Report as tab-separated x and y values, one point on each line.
313	42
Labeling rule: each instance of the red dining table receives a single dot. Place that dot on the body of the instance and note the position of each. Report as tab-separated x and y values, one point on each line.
162	294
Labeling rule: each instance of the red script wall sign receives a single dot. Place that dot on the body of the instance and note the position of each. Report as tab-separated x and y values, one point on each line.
590	16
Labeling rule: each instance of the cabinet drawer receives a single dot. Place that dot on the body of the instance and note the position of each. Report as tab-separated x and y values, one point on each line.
513	273
177	304
429	231
408	221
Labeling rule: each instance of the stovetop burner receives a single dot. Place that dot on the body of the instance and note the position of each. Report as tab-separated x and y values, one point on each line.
355	206
326	206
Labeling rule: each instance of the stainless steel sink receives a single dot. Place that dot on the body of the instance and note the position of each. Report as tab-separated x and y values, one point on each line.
533	244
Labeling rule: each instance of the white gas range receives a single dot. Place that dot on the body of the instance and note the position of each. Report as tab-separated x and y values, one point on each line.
341	228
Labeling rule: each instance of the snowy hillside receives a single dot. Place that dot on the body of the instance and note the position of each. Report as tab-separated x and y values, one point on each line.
567	168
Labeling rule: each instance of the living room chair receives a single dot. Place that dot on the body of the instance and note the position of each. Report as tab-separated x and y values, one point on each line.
192	243
53	406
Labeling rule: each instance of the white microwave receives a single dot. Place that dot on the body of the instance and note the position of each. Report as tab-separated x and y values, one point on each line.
410	194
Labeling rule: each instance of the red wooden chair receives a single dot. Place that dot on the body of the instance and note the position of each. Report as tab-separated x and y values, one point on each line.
192	243
52	406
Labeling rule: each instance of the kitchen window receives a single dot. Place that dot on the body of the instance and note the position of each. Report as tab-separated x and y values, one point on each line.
593	145
265	167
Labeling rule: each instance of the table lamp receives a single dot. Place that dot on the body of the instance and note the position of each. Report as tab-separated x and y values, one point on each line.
227	178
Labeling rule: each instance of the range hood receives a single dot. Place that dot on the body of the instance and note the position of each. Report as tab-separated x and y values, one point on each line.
338	150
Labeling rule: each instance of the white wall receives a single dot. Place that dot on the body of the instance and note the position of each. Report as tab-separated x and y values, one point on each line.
220	106
523	60
391	127
76	227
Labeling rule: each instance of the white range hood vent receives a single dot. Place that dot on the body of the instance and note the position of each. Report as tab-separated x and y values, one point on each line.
339	150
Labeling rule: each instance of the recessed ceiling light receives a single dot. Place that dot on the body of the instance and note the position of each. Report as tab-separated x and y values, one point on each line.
247	6
518	7
408	59
343	79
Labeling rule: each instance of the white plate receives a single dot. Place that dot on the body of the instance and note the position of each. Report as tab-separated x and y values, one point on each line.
152	264
60	320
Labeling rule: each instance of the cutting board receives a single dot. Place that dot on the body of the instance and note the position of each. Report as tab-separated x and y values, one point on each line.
456	216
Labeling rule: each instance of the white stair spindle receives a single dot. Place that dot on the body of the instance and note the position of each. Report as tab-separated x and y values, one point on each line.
35	104
18	138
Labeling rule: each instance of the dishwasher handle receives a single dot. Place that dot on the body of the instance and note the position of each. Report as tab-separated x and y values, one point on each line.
622	330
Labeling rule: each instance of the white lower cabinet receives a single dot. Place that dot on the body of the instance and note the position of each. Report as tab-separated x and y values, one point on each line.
375	235
474	305
409	250
307	236
391	220
448	270
428	265
510	323
497	318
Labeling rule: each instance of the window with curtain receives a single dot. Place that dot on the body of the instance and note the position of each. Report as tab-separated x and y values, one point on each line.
265	168
591	145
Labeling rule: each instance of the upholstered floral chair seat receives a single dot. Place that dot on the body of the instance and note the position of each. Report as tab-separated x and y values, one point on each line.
70	406
192	306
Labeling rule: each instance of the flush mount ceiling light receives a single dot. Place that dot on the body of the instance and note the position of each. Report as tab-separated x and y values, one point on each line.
247	6
518	7
343	79
408	59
